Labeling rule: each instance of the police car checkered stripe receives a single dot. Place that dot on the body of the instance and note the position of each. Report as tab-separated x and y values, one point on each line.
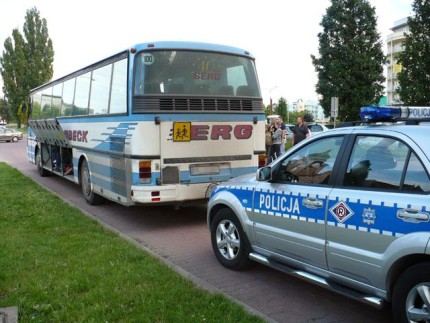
372	203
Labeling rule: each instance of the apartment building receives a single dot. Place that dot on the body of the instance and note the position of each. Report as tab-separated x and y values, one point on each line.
394	47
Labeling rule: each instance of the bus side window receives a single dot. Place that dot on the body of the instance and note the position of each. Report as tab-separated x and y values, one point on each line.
118	99
68	95
100	83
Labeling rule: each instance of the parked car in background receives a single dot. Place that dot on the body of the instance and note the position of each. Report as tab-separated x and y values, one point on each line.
272	116
288	132
9	134
316	127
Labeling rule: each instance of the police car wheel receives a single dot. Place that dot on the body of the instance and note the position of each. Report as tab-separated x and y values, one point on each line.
87	187
229	242
411	295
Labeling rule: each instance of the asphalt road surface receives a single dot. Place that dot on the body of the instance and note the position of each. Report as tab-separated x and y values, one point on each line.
181	239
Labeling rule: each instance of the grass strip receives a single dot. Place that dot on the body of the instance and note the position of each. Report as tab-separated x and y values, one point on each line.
58	265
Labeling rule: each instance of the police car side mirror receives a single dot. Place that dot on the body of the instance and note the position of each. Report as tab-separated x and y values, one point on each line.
264	174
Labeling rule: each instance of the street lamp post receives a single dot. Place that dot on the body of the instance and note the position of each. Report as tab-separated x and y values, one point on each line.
270	94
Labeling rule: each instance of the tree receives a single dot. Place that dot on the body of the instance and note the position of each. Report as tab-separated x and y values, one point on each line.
414	78
38	49
267	110
351	60
281	108
13	69
308	117
4	111
26	64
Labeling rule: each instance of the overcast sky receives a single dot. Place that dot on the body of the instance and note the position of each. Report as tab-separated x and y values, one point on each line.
281	34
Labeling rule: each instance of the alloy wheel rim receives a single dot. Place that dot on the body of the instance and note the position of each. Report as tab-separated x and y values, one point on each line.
418	303
228	239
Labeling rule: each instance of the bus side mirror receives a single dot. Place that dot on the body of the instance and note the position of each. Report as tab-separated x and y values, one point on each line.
264	174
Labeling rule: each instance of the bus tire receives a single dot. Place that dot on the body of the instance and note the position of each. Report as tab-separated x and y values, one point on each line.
39	164
87	188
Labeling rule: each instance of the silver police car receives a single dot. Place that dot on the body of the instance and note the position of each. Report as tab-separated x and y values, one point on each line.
347	208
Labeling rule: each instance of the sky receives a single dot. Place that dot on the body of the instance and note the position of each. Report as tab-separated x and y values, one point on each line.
282	35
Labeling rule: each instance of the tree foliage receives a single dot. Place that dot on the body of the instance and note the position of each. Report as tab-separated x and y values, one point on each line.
4	111
414	78
13	71
26	62
350	65
281	108
308	117
38	49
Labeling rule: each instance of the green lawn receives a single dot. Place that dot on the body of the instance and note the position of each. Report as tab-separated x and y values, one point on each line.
58	265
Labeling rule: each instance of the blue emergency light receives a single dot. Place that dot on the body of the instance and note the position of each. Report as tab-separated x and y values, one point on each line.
373	113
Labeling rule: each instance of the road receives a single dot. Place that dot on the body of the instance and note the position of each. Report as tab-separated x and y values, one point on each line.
181	239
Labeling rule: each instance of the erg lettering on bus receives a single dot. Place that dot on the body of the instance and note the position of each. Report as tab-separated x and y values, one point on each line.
203	132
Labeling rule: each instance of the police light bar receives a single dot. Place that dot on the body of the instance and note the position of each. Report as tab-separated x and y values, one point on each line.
373	113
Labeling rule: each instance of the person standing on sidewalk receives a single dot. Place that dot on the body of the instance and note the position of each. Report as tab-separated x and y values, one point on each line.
283	127
275	150
269	142
300	131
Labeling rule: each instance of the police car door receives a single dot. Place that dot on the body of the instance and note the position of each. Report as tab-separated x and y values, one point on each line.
376	206
290	210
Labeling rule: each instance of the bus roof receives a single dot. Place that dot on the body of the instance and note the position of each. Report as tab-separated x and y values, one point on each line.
172	45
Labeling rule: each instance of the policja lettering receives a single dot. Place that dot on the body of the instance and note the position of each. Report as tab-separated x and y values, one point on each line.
279	203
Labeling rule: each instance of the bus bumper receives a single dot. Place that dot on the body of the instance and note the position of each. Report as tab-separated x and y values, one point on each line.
169	193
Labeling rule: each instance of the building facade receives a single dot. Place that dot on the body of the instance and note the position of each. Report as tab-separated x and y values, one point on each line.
394	47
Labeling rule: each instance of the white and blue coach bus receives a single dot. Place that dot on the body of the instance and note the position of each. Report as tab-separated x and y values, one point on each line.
160	122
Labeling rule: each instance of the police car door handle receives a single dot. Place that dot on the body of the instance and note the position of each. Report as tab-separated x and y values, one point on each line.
410	215
312	203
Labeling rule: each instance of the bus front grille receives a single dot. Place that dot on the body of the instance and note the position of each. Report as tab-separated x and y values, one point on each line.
168	104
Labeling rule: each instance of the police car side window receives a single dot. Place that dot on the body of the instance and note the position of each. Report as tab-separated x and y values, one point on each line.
416	179
379	162
312	164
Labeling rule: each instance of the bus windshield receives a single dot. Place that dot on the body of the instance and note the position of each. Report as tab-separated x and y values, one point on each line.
194	73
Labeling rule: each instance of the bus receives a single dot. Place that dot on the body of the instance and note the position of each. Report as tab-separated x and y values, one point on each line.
159	123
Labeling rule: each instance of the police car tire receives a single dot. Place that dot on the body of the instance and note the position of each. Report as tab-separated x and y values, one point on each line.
406	286
89	195
241	260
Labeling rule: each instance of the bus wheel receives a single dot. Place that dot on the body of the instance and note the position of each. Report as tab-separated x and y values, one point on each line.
87	187
39	164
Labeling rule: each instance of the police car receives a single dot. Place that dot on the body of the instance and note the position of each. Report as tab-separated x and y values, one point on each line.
347	208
